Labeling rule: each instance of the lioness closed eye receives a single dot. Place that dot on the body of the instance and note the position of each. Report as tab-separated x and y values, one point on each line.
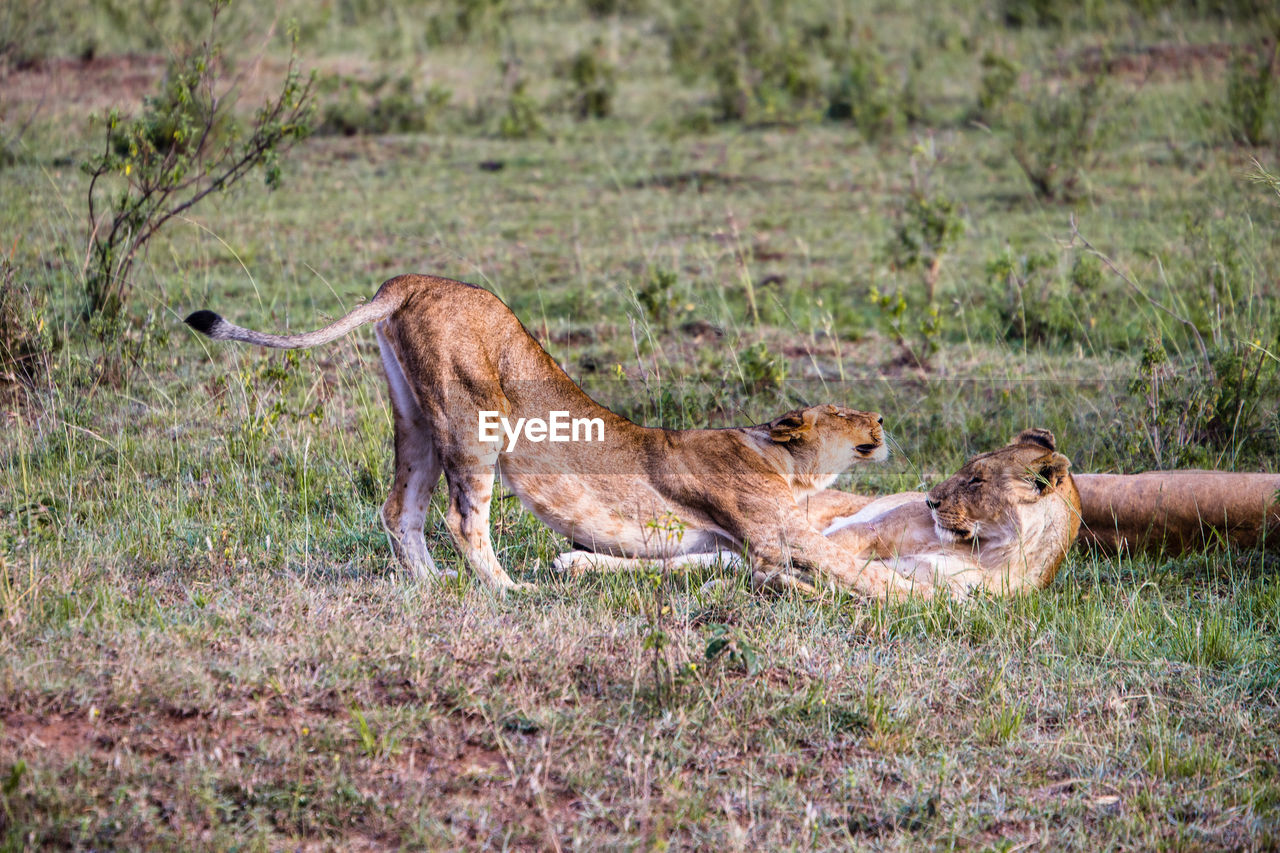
453	352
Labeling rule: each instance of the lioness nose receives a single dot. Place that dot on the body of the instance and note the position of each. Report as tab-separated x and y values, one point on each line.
930	503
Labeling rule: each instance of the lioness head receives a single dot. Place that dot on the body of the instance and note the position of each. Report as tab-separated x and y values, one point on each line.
825	440
983	496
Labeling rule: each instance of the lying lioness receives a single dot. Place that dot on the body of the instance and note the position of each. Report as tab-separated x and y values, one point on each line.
458	362
1169	513
1002	523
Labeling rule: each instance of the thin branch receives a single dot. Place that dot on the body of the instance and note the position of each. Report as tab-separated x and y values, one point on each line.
173	175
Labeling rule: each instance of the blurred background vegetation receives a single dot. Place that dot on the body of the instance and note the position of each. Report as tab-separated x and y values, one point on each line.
788	192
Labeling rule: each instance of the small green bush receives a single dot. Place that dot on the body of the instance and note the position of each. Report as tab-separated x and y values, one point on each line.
27	337
183	147
467	21
662	300
914	324
927	227
1036	303
762	369
1213	273
29	33
1086	275
773	60
1243	390
861	93
1250	80
1033	306
592	82
999	79
522	114
928	223
173	119
760	56
1058	134
1036	13
1193	414
380	106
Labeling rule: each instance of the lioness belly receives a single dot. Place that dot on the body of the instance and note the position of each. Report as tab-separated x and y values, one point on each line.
877	510
895	524
610	514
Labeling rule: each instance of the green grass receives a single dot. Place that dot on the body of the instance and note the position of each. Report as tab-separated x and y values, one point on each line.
203	640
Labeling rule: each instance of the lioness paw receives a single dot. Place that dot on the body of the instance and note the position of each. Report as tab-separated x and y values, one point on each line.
574	561
778	581
423	573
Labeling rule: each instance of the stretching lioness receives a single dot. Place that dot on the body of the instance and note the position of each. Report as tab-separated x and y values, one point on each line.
456	358
1003	523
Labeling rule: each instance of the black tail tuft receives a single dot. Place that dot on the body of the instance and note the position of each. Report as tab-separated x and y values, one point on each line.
203	322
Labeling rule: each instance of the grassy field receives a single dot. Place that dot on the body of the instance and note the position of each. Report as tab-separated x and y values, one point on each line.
204	643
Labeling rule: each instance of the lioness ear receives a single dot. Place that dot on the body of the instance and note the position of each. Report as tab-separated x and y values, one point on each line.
1049	472
792	426
1042	437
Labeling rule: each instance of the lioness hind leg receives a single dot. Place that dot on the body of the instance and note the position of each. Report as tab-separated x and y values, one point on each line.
404	514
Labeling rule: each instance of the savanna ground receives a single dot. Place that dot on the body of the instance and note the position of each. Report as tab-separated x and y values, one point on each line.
707	213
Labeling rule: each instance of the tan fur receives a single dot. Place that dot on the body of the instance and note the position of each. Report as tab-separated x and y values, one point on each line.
451	350
1003	522
1178	511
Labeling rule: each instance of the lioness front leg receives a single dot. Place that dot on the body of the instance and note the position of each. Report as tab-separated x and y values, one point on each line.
939	571
470	496
928	571
590	561
795	543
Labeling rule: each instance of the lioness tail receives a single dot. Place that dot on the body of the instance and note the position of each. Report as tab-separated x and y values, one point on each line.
209	323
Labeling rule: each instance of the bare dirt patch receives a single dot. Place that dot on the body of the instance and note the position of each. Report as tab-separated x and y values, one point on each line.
74	86
453	761
1157	60
84	84
171	734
